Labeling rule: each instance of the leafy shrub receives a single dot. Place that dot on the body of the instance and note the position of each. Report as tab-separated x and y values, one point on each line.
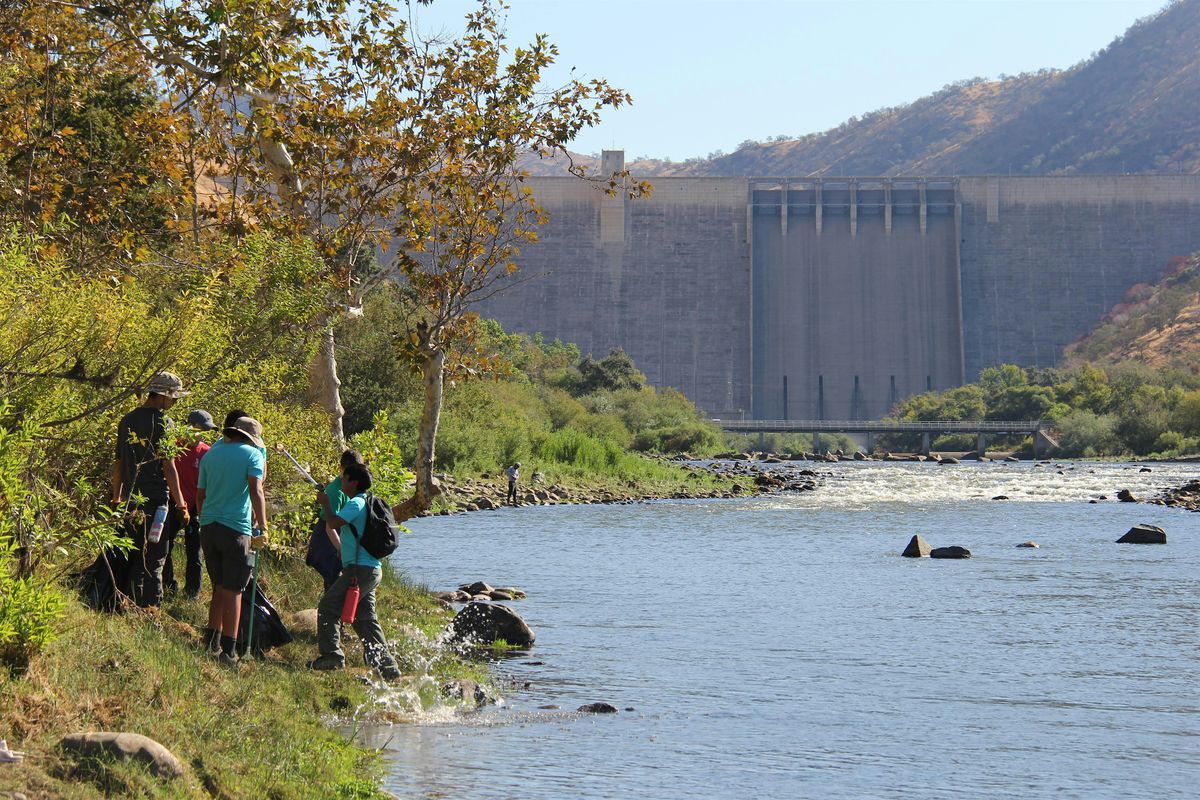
690	437
29	613
1084	433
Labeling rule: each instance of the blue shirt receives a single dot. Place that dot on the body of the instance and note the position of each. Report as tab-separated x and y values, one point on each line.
355	513
223	474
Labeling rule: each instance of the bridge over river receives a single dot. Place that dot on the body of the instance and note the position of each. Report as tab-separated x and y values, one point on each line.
981	428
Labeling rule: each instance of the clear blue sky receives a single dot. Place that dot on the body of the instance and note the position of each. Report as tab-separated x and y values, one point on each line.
706	75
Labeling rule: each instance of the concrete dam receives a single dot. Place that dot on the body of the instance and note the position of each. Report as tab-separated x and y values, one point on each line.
835	298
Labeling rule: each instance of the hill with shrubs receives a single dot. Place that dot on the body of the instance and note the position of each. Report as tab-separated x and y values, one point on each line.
1128	108
1154	324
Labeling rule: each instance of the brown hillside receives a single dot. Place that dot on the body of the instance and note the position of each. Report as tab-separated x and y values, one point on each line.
1133	107
1157	324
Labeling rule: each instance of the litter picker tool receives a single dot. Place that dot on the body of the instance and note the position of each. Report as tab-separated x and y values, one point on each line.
253	606
303	472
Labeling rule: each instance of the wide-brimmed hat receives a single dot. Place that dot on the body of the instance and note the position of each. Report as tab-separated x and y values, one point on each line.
201	420
166	383
248	427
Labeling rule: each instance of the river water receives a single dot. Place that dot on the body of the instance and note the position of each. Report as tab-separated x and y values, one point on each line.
779	647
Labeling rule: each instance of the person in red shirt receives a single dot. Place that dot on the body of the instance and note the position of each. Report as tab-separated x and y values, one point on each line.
188	467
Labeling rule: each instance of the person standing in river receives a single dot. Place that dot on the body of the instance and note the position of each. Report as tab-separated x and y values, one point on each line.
140	470
514	473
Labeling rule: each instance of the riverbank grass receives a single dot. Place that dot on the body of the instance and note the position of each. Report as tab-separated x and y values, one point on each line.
263	730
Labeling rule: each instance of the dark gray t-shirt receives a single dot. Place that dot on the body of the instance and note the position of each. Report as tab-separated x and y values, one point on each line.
138	435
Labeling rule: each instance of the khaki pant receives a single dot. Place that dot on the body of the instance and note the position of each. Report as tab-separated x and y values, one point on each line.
366	623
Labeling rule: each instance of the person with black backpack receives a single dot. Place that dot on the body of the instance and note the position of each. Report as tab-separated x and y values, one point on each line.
364	532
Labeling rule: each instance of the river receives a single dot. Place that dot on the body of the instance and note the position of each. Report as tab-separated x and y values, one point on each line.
779	647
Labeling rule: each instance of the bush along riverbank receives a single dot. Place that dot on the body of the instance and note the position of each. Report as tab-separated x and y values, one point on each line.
270	728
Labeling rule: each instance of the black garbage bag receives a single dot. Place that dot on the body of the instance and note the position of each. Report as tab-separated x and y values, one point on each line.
321	554
269	630
95	582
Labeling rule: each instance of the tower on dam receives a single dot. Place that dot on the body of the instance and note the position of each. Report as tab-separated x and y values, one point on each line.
835	298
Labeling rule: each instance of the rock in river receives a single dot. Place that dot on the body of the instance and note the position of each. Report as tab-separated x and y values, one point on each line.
1144	534
953	551
484	623
917	547
1126	496
598	708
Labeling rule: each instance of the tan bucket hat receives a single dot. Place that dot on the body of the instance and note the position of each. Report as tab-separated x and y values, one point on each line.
166	383
248	427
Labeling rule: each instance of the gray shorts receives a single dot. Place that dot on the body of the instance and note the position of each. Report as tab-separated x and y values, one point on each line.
227	555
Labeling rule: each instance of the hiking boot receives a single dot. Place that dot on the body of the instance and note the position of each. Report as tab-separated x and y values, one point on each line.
327	663
389	672
226	660
9	756
210	640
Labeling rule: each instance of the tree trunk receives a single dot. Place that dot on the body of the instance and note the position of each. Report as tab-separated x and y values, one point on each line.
431	373
324	385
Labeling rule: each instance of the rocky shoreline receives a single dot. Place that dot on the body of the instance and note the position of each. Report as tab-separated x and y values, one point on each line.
760	477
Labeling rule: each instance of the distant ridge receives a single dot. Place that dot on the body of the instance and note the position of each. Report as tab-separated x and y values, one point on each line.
1133	107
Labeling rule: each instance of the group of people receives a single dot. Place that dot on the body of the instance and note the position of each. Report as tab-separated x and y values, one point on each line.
214	495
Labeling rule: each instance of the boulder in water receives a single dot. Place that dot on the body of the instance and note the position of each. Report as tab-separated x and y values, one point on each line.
484	623
1144	534
1125	496
598	708
1030	543
917	547
478	587
953	551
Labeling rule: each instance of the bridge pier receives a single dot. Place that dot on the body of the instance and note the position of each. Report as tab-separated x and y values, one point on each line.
925	443
980	444
870	443
816	442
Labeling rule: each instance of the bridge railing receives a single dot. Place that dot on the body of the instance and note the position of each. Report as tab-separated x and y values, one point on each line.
878	426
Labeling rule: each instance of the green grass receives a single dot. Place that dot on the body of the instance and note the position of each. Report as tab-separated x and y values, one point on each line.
262	731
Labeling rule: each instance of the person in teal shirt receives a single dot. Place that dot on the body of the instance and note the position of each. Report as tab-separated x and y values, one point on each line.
321	556
231	502
358	566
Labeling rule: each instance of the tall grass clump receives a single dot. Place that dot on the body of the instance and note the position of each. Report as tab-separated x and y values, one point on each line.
571	448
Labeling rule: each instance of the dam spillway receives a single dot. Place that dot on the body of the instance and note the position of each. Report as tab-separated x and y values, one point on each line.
835	298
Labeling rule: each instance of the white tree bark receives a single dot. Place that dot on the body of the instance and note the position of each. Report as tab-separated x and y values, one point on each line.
432	375
324	386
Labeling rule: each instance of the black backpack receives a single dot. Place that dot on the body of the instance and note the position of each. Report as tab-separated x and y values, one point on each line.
382	533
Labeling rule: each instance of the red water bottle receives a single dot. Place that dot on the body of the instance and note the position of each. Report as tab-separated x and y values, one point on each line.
350	605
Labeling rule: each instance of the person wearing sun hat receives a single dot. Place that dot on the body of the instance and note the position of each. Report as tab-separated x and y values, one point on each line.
230	499
140	470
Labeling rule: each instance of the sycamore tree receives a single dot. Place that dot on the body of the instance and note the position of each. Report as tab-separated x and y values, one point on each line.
338	122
